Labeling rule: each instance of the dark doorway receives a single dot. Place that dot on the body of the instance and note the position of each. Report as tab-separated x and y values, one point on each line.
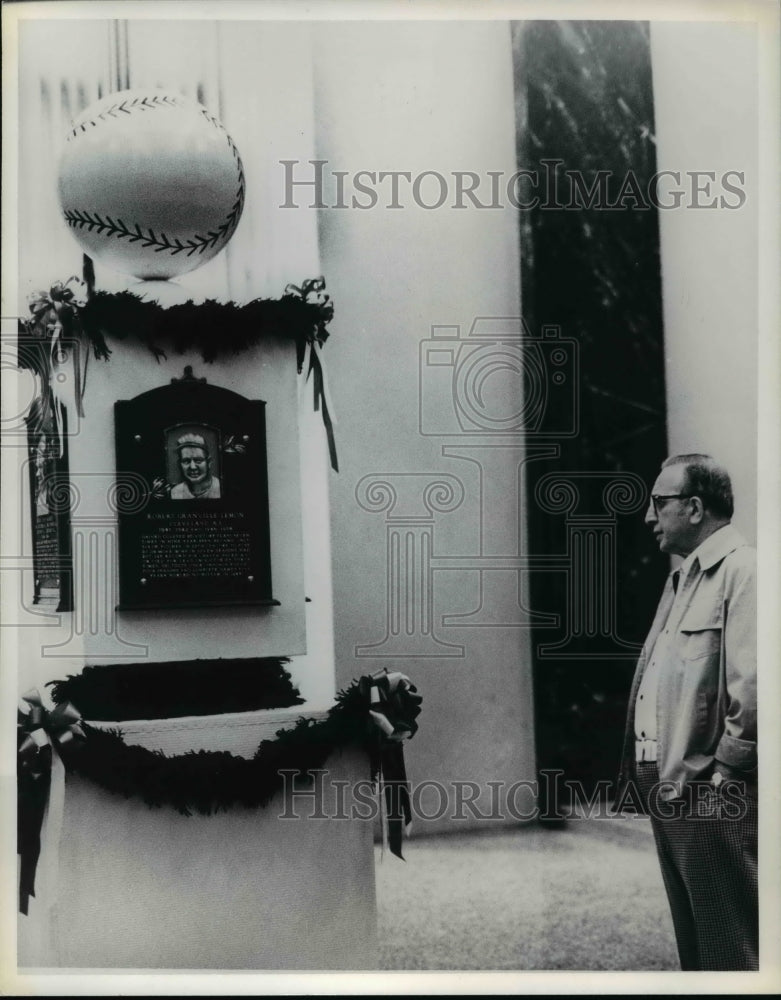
591	267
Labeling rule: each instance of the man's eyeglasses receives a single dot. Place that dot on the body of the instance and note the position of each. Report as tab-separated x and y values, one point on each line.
657	498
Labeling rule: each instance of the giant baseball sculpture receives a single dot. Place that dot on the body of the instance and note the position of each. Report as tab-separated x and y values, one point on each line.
150	183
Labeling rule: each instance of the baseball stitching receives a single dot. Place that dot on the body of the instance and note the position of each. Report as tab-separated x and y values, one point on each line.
160	242
148	103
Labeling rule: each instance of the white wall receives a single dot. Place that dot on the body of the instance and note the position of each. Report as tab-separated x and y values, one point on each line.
705	92
417	97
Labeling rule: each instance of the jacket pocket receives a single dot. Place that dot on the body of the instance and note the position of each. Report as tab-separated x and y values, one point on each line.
701	632
700	642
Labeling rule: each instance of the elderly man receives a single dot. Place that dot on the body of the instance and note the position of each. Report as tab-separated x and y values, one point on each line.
198	483
690	744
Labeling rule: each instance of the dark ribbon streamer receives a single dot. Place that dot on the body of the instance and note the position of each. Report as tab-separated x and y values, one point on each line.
32	796
321	401
393	705
312	292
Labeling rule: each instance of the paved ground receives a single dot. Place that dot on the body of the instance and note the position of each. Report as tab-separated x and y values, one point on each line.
585	897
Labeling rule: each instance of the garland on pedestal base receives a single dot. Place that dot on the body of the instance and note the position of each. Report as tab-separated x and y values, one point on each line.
375	714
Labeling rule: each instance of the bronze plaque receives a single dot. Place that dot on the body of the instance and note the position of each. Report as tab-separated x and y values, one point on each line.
192	498
50	502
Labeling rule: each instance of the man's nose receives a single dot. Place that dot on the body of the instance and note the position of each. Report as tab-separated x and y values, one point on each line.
650	514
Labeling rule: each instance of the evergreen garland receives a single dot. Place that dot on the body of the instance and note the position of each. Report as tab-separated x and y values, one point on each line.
207	782
214	329
172	690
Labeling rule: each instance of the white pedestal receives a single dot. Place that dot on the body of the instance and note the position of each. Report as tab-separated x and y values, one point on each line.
141	888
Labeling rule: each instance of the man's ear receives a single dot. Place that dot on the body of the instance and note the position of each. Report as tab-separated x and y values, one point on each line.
697	511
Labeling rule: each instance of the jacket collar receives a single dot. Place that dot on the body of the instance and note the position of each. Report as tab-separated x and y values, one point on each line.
718	545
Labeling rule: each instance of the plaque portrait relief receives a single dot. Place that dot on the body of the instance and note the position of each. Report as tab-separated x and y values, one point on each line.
191	441
193	464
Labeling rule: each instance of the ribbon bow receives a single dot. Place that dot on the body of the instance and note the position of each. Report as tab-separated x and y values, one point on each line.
393	705
38	733
61	301
312	292
56	310
55	313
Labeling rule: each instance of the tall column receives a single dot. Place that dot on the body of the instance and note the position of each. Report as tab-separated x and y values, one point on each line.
709	243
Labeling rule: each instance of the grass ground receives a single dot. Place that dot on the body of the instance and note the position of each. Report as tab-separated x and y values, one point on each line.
588	896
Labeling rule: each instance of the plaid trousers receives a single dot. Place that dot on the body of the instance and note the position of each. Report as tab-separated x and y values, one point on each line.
709	868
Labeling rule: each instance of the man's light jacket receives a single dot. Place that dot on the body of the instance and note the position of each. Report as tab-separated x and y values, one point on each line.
706	701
